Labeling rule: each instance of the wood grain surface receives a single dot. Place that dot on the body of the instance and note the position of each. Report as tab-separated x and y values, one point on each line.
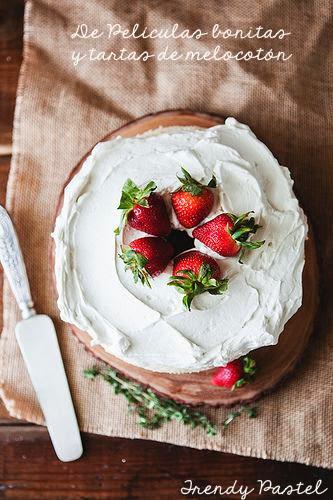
275	362
111	467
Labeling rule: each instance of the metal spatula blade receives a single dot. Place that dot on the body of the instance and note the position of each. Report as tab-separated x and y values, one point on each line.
38	342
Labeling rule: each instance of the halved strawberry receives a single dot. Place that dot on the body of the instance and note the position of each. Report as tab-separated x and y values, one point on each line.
227	234
147	256
195	273
235	374
144	210
193	201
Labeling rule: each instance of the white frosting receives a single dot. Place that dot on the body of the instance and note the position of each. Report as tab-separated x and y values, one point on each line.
149	327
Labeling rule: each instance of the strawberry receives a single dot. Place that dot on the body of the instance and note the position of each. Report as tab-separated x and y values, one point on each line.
235	374
227	234
195	273
147	256
144	210
193	201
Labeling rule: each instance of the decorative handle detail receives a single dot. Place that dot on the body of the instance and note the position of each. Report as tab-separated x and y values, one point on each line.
12	261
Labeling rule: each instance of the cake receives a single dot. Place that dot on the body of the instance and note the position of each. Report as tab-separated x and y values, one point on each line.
150	327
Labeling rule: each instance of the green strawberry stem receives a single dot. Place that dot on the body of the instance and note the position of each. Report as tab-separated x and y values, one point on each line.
249	369
191	285
135	262
191	185
243	227
133	195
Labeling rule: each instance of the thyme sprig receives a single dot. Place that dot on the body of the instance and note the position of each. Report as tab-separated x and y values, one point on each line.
152	410
251	411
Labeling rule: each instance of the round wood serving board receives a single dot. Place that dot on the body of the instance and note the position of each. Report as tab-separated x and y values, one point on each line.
274	362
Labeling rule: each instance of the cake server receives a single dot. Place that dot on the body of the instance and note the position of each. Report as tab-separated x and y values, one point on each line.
39	346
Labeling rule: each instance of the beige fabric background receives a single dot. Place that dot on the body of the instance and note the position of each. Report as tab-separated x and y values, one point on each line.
62	110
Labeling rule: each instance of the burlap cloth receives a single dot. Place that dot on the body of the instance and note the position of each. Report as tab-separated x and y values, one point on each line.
62	110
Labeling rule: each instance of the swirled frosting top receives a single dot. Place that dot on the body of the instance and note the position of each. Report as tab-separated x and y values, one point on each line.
149	327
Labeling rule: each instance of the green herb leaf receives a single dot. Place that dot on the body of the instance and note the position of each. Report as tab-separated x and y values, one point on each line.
231	417
91	373
152	411
251	412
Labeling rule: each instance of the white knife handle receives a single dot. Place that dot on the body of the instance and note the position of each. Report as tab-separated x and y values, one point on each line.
40	350
13	265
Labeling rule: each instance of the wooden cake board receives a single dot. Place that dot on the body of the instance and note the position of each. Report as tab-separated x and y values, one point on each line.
274	362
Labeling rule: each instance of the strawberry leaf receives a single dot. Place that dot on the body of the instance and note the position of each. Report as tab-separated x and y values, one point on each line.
191	285
239	384
252	245
241	232
243	227
249	370
136	262
191	185
148	189
249	366
187	300
125	202
220	287
205	272
133	195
